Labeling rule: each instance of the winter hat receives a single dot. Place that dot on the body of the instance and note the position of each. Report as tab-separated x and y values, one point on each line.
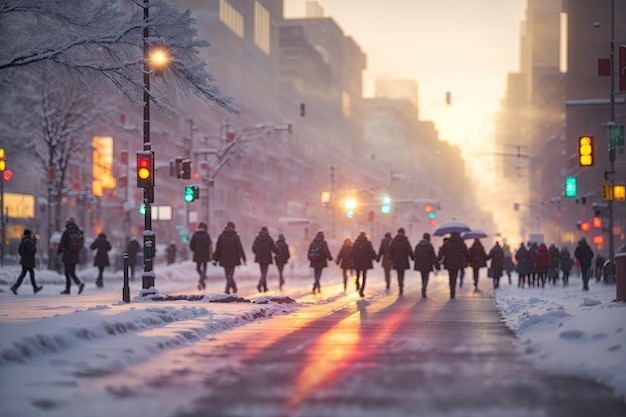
387	234
102	235
231	225
281	236
582	240
27	232
426	236
202	226
264	229
70	220
401	230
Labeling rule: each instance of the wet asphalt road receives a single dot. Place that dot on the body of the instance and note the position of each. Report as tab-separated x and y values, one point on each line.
387	356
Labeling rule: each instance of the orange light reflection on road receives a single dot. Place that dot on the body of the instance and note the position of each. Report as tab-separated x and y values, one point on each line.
340	346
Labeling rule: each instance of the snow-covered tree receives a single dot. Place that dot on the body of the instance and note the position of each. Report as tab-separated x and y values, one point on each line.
96	40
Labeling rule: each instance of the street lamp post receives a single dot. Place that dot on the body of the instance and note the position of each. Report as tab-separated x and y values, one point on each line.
611	124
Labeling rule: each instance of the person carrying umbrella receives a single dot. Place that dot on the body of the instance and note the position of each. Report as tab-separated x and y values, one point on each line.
454	254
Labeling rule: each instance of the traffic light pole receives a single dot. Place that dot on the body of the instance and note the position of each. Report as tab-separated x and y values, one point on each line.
148	276
612	123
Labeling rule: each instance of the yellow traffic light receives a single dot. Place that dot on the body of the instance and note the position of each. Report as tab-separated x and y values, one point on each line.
585	151
3	155
619	193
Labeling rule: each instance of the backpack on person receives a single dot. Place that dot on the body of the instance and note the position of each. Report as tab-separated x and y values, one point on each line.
75	241
315	252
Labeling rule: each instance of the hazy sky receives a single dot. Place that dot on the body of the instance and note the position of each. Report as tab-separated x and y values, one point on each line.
463	46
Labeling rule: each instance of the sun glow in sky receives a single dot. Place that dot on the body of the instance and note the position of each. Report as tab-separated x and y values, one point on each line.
465	47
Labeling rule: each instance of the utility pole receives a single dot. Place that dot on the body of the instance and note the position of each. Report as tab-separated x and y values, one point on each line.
611	175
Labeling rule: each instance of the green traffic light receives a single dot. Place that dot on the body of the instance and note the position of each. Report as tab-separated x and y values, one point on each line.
189	195
570	187
432	215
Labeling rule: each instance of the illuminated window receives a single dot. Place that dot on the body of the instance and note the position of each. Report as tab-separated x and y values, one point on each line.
102	165
231	18
346	104
261	27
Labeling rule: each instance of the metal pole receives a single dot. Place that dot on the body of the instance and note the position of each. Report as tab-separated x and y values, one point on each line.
147	278
126	288
2	223
611	123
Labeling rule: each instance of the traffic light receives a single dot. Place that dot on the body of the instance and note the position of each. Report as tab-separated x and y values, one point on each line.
386	207
585	151
145	169
186	169
570	187
432	215
585	226
191	193
3	156
596	222
350	206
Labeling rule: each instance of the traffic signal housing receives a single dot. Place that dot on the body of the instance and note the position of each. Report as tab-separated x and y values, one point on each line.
145	169
186	165
192	192
386	207
585	151
570	187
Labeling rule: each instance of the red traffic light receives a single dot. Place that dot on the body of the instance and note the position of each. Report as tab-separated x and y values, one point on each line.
596	222
585	226
145	169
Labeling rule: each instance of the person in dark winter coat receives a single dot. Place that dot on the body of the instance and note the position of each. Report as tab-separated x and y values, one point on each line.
553	271
478	259
171	252
319	247
70	258
345	262
496	254
509	265
454	254
566	264
425	260
362	254
584	255
201	246
542	264
532	274
229	253
132	249
27	250
102	247
384	259
400	250
263	247
522	257
281	258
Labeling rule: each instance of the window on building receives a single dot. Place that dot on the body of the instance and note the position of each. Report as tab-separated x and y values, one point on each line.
231	18
261	27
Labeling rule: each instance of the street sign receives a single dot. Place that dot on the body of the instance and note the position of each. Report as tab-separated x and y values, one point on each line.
616	135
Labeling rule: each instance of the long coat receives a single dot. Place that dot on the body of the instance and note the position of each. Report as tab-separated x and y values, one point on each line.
27	250
263	247
102	247
228	250
133	249
566	260
454	253
326	256
383	253
343	257
201	245
362	253
68	257
522	256
425	257
496	254
400	250
478	256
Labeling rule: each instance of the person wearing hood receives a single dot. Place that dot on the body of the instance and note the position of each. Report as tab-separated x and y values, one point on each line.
27	250
496	254
201	246
345	262
318	256
478	259
362	254
454	254
281	258
383	257
400	250
584	255
566	264
263	247
69	256
229	253
102	247
522	257
425	260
